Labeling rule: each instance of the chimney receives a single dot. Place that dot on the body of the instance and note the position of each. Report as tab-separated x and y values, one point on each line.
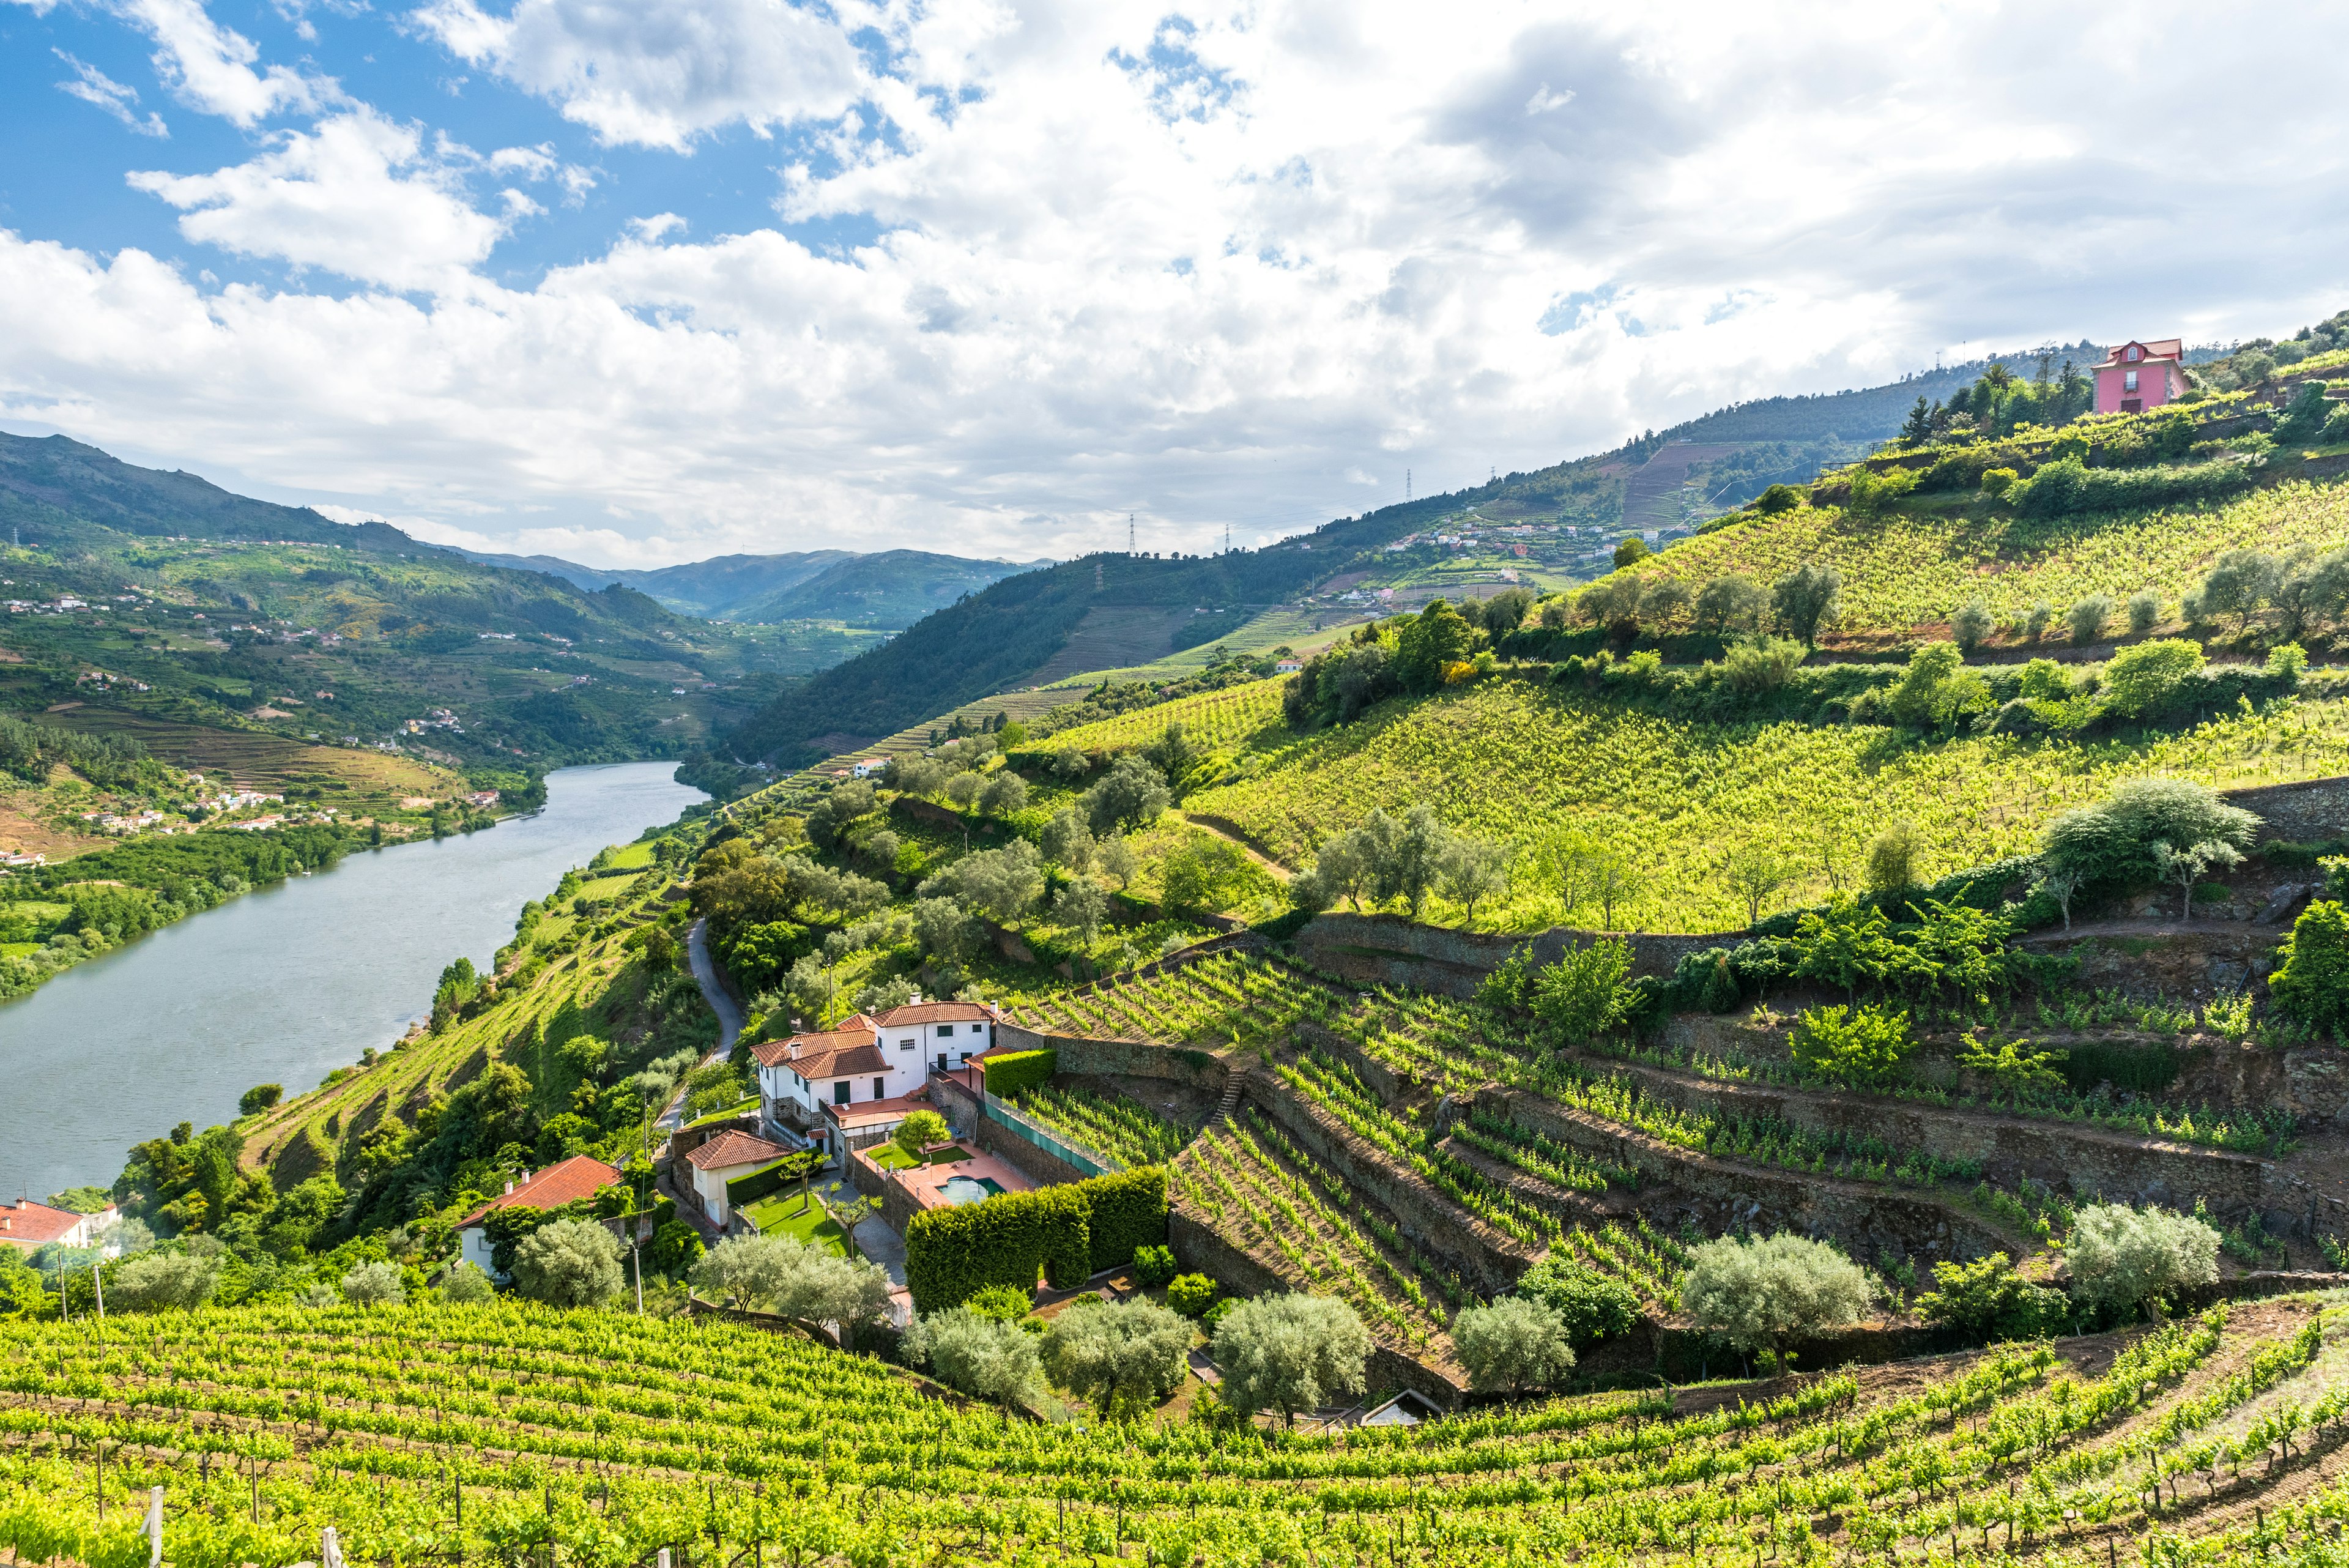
510	1190
525	1179
794	1049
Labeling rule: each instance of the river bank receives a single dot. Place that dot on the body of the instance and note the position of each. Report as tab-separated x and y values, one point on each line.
285	983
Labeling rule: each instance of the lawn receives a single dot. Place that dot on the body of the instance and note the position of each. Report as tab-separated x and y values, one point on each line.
889	1157
779	1214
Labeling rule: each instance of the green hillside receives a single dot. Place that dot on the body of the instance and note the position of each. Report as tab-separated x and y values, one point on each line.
886	590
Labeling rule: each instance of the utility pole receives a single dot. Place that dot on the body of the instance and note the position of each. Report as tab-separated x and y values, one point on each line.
1406	484
1228	538
1129	533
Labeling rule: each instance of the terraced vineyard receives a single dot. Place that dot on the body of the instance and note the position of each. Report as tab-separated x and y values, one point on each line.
494	1433
1226	998
1214	720
1115	1125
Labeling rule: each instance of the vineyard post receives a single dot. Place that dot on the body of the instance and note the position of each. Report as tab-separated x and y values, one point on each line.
101	1480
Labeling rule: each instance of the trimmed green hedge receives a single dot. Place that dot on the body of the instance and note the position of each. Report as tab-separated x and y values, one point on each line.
1016	1071
767	1179
1064	1232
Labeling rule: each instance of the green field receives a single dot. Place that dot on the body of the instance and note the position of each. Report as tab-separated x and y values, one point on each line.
1511	760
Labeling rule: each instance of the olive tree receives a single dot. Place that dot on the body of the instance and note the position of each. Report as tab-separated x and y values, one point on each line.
1513	1344
2125	1257
1130	795
568	1263
976	1354
794	1280
1289	1353
1136	1350
373	1283
159	1282
467	1285
1761	1293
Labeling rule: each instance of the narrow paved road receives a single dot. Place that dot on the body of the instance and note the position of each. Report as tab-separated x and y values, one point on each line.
729	1017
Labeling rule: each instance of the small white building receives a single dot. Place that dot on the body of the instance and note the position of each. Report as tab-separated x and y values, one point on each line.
863	1058
581	1176
869	766
731	1155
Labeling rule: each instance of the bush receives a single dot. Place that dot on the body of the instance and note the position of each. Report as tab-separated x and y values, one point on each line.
1289	1353
162	1281
1190	1294
1593	1307
920	1131
1855	1047
1997	481
975	1354
1754	665
1215	1315
1514	1343
2114	842
1777	498
467	1285
1067	1232
1971	625
1987	1300
1134	1353
2286	663
2088	618
1154	1265
371	1284
2143	610
2140	680
259	1099
2310	984
1582	995
674	1246
568	1263
1012	1074
1003	1303
1760	1295
2124	1257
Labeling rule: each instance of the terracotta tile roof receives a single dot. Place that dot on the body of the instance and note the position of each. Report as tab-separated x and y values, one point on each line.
581	1176
29	1225
2154	348
841	1061
937	1013
865	1113
778	1052
733	1147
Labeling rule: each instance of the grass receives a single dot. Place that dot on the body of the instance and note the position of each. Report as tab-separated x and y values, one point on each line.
727	1114
889	1157
779	1214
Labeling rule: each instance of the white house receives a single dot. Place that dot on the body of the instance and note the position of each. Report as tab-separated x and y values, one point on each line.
732	1154
29	1226
581	1176
865	1058
869	766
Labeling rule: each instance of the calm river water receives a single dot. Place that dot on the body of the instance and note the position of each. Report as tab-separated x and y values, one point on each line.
283	986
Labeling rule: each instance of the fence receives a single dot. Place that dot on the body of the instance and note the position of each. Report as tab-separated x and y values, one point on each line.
1051	1142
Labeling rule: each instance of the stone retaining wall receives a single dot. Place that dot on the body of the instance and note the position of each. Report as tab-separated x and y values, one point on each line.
1118	1058
2305	813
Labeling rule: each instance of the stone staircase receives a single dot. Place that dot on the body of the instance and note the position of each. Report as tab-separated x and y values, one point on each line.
1235	1081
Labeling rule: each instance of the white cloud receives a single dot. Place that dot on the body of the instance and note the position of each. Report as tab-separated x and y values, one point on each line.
357	195
211	68
93	86
1242	264
659	73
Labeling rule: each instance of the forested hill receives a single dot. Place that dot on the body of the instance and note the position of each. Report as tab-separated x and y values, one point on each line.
53	483
1865	413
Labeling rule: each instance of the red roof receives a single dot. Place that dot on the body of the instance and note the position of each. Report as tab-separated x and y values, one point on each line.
733	1147
937	1013
2159	348
29	1225
841	1062
581	1176
778	1052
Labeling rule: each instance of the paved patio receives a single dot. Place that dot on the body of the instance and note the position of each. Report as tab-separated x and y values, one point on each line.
923	1183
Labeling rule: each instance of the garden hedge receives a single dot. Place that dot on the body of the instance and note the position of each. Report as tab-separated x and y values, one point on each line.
1016	1072
1065	1232
767	1179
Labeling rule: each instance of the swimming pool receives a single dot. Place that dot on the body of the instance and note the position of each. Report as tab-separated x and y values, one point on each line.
958	1190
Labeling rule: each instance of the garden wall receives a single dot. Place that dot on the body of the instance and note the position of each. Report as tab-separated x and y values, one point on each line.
1387	949
2305	813
1118	1058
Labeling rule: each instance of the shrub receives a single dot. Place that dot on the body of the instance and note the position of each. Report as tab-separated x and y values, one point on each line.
1593	1307
162	1281
2286	661
1213	1316
1971	625
1987	1300
1754	665
2124	1257
1012	1074
2140	680
1002	1303
467	1285
568	1263
1855	1047
1067	1232
1289	1353
1892	861
1761	1294
2034	624
1582	995
1514	1343
373	1283
674	1246
1190	1294
1135	1351
1777	498
1997	481
1154	1265
2143	610
975	1354
2088	618
259	1099
2310	984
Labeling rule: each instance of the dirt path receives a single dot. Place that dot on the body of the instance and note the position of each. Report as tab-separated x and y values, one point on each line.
1222	830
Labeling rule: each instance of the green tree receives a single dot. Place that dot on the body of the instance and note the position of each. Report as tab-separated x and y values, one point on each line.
977	1354
1986	1300
1130	795
1006	793
1593	1307
1857	1047
1892	861
1763	1293
259	1099
1082	907
2125	1257
1289	1353
1470	870
1583	996
2142	678
1805	598
1177	757
1777	498
162	1281
1732	603
1204	874
375	1284
2310	983
1068	841
1514	1342
1134	1353
2088	618
1436	637
467	1285
920	1131
568	1263
1754	873
2187	866
1971	625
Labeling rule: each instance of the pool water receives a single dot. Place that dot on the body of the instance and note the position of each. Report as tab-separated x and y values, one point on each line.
958	1190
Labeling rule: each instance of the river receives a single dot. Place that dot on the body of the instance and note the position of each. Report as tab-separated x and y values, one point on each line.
283	985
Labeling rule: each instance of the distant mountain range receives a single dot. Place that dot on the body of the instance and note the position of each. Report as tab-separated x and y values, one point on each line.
890	590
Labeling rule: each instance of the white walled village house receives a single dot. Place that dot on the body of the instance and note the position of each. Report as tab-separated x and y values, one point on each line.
807	1080
581	1176
30	1225
730	1156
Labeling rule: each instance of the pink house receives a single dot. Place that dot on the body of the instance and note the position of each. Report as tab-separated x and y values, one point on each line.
2136	377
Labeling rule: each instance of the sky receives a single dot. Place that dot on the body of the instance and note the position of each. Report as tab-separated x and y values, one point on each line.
643	281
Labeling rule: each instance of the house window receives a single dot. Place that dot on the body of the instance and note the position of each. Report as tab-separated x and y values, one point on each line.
2135	352
944	1030
904	1044
2129	381
839	1092
879	1093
